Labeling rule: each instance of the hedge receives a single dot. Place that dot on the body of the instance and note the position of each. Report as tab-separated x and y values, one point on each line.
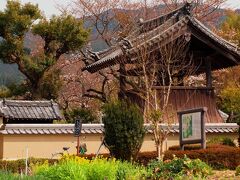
18	166
217	156
143	157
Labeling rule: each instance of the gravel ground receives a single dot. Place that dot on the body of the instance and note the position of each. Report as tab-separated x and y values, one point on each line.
224	175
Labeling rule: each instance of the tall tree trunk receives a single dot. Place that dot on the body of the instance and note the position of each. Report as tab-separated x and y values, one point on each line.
159	151
35	90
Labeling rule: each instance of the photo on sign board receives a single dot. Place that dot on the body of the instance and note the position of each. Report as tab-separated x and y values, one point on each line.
191	126
187	126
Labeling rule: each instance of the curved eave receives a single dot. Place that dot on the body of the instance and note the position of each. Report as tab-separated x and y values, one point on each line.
223	47
107	61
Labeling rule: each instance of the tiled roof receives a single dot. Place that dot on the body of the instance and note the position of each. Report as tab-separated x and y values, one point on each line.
15	109
154	32
98	128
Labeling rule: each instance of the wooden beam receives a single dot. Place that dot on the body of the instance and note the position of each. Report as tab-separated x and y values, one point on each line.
122	81
208	65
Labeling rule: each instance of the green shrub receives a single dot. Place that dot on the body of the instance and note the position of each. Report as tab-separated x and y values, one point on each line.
238	171
126	170
228	142
217	156
86	115
178	168
101	169
123	129
222	140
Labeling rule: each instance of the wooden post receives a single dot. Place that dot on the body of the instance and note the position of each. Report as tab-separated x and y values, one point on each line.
77	132
203	133
26	162
208	66
78	144
122	81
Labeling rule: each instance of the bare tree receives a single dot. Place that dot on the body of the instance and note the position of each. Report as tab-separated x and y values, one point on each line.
151	78
164	66
117	18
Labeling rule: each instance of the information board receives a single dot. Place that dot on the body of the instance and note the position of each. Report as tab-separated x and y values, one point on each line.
192	127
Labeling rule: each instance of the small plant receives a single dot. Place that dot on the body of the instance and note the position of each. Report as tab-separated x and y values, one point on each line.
237	171
178	168
222	140
228	142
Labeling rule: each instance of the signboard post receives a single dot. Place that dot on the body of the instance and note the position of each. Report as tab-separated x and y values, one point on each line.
192	127
77	132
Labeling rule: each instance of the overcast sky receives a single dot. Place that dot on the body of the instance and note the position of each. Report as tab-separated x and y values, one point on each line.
50	6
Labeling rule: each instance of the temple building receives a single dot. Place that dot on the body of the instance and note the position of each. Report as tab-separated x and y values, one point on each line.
207	51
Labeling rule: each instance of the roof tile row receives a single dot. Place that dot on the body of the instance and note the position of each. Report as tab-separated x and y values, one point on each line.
55	129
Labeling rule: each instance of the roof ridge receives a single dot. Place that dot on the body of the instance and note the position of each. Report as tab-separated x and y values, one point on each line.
155	30
185	9
183	20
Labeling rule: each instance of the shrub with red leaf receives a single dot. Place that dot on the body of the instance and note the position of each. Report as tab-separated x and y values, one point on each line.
217	156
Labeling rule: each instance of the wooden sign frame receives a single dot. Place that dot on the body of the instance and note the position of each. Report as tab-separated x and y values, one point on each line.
202	138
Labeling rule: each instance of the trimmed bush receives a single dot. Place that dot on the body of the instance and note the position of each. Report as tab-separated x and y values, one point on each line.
18	166
145	157
123	129
186	147
217	156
